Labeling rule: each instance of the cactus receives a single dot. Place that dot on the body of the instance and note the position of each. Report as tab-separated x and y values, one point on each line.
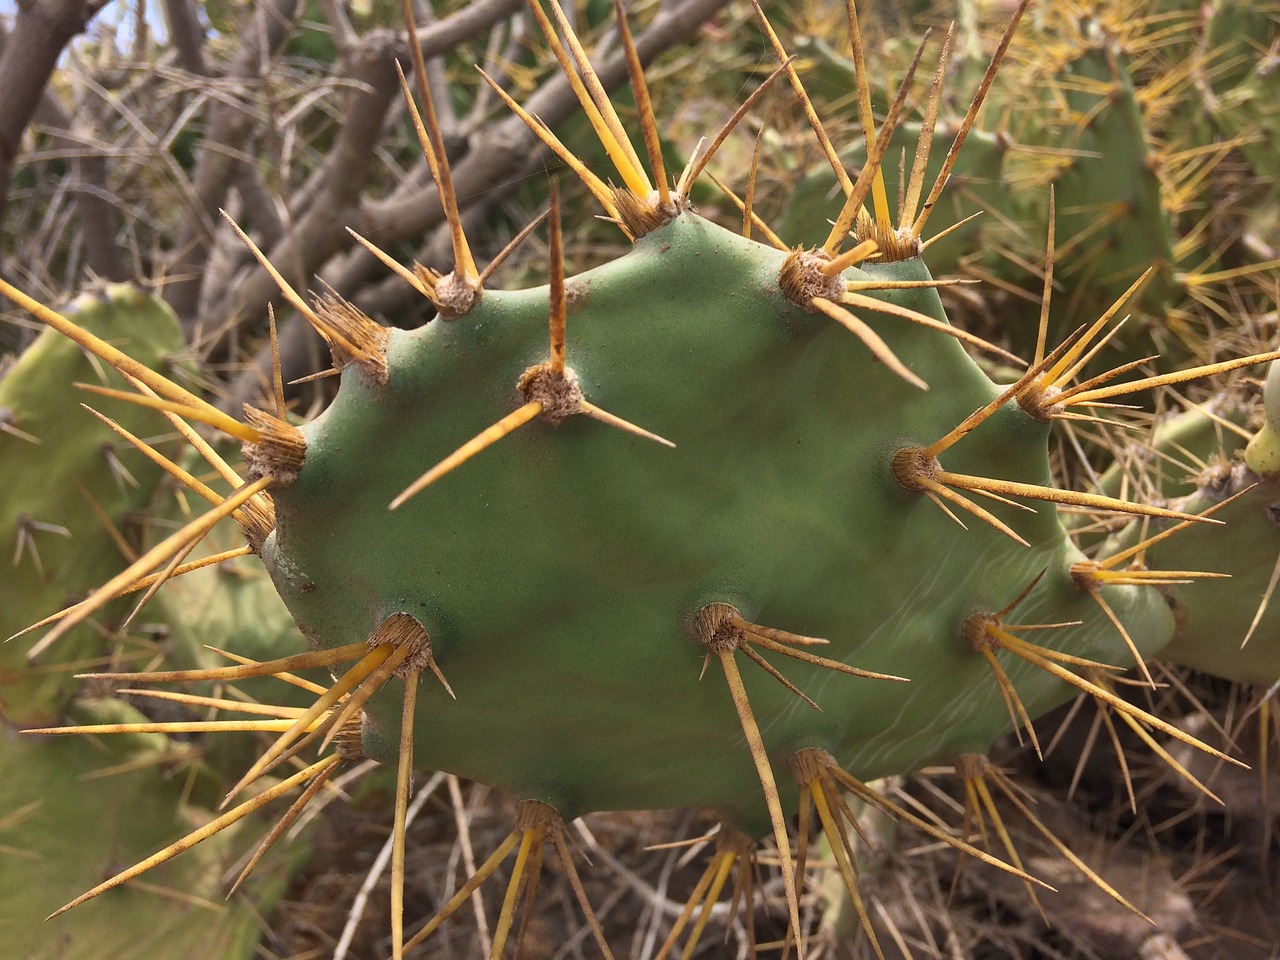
68	489
711	450
52	847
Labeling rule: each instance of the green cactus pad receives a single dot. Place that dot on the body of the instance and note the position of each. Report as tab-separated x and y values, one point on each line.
45	487
68	832
557	571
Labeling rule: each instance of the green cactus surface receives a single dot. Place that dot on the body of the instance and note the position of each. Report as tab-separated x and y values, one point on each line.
57	468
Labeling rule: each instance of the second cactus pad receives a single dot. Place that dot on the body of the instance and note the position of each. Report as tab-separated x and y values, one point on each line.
560	573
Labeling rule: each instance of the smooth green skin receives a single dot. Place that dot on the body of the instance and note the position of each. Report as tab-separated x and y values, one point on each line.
43	482
554	570
1214	616
975	185
65	846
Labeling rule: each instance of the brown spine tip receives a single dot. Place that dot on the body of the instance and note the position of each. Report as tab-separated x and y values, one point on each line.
279	453
911	465
801	279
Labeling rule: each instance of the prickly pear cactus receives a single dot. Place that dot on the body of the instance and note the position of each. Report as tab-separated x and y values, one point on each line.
719	523
69	486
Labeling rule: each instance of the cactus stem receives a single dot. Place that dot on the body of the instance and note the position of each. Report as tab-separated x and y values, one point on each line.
869	338
965	426
1262	606
108	525
551	389
208	830
979	805
103	350
28	527
760	757
160	553
481	441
